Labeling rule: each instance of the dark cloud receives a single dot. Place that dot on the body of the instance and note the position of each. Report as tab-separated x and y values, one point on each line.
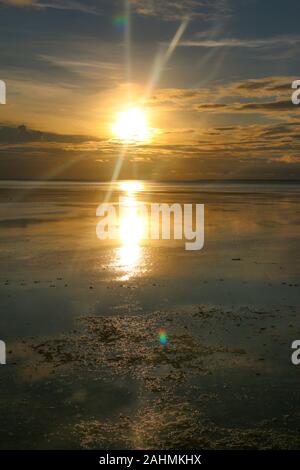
23	135
276	106
179	9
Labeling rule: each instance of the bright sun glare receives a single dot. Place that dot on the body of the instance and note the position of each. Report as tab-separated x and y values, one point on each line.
131	186
131	126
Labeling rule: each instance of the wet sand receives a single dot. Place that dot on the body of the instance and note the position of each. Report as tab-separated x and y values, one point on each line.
81	318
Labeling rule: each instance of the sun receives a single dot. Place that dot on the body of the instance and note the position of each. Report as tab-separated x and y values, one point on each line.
132	126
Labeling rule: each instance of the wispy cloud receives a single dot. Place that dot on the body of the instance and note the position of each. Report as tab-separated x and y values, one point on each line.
75	5
178	9
266	96
18	3
284	40
274	108
171	10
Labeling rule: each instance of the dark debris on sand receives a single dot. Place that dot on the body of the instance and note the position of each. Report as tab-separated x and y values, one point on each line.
166	417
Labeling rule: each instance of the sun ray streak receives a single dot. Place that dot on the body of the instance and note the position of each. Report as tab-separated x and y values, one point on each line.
159	63
163	57
127	43
116	172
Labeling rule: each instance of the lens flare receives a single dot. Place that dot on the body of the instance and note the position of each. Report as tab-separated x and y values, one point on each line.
163	337
120	21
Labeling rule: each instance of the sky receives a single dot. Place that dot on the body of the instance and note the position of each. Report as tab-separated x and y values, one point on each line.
213	76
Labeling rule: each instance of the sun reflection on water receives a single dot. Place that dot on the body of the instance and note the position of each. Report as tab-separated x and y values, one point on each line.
132	231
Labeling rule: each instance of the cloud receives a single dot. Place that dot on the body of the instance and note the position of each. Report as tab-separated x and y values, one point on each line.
89	6
18	3
289	159
217	152
170	10
21	134
283	40
267	86
178	9
268	96
273	107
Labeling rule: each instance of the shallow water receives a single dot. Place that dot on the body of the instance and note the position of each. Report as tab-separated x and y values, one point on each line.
237	298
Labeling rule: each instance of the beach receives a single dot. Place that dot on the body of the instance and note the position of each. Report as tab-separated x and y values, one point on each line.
81	319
